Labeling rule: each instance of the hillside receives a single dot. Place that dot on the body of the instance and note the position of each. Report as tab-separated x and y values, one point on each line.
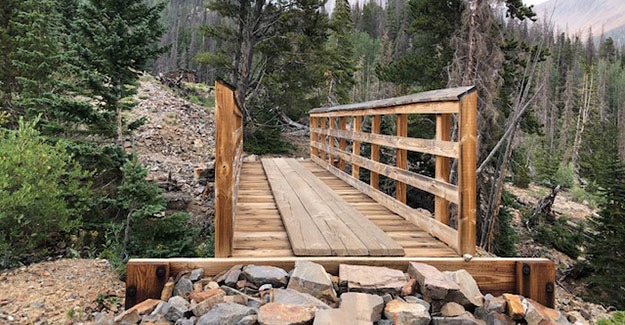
577	16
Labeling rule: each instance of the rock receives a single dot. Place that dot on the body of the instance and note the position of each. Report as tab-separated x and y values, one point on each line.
208	303
196	274
241	300
186	321
432	283
403	313
179	307
464	319
292	297
203	295
198	287
538	314
495	318
241	284
362	306
575	317
261	274
283	314
161	309
264	287
183	287
143	308
312	278
408	288
469	295
127	318
100	318
514	306
371	279
225	314
491	304
337	316
211	285
248	320
452	309
416	300
168	290
232	276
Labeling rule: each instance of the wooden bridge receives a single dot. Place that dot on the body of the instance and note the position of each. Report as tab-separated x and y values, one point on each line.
334	208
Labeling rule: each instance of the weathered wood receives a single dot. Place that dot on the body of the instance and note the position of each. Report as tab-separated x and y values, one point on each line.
536	279
493	275
342	141
314	136
446	234
374	239
331	144
225	121
376	125
428	184
145	280
401	157
428	97
323	137
441	205
467	176
305	236
450	107
434	147
356	146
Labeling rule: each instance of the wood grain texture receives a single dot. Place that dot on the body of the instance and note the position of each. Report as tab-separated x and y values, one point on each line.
401	157
536	279
467	178
145	280
443	133
356	146
376	125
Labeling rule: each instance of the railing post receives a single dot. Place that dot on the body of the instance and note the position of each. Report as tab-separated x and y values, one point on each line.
343	141
314	136
376	124
401	157
224	156
467	174
331	126
356	146
441	206
323	136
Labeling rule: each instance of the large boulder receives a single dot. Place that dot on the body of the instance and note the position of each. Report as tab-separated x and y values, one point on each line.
371	279
262	274
404	313
311	278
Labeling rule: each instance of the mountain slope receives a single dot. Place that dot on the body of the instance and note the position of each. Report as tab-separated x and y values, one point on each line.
577	16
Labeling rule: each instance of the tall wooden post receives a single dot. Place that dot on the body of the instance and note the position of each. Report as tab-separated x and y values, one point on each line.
467	174
314	136
401	157
224	156
376	125
356	147
441	206
323	137
343	141
331	126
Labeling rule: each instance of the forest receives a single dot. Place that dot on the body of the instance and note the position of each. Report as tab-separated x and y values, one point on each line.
550	110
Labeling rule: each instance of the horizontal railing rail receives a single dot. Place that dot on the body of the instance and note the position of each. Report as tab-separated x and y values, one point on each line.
333	130
228	161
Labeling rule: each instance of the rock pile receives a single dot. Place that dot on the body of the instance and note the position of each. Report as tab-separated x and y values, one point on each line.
267	295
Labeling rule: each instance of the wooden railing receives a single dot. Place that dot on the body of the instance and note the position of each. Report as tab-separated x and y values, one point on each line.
330	138
228	159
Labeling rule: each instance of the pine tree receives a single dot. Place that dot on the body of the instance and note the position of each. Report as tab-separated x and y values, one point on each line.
605	252
118	39
340	77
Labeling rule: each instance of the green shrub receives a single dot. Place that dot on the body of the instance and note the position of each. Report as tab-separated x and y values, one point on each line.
618	318
43	194
559	236
565	176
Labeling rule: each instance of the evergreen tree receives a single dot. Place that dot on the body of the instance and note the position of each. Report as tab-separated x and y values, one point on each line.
340	76
118	39
605	252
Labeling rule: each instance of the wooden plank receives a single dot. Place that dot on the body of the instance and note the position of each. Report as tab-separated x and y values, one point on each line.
375	240
314	136
331	125
434	147
467	175
339	237
145	280
427	97
224	157
446	234
356	146
304	235
401	157
374	178
323	137
428	184
449	107
443	133
536	279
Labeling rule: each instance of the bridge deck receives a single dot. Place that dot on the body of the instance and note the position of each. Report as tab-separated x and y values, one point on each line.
260	232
